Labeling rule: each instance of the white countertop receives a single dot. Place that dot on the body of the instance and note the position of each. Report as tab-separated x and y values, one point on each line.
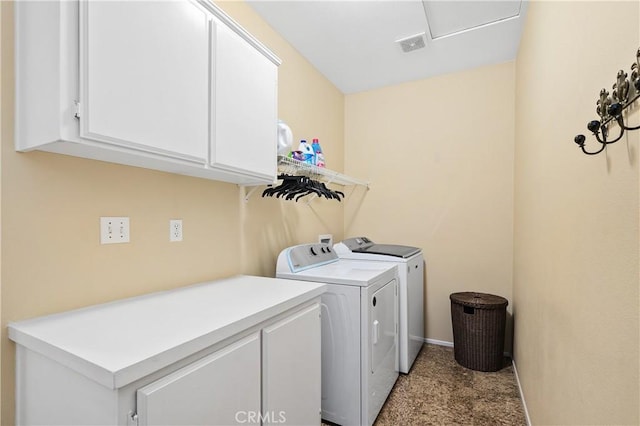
119	342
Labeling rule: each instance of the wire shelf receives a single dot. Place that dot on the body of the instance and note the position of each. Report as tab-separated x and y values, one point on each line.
291	166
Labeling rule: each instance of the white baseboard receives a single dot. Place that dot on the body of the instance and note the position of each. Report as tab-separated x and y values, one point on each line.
439	342
450	345
524	404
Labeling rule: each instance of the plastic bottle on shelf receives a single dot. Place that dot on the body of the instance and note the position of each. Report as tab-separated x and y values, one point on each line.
307	152
318	153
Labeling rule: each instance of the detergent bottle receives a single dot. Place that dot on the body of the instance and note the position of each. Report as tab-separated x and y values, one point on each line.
317	150
307	152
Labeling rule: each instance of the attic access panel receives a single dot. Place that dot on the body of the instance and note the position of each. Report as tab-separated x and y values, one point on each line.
450	17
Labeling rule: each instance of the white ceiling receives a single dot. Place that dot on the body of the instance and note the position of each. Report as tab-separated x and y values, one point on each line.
353	42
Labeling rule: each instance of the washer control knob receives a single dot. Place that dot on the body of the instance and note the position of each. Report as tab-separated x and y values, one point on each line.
323	250
313	251
328	249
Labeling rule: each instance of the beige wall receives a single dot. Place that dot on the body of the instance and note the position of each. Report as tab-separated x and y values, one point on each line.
51	260
439	155
313	108
576	219
2	344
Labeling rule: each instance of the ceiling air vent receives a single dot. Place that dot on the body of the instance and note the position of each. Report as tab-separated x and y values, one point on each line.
413	42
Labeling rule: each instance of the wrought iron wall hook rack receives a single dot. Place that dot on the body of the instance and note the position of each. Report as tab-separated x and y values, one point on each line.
610	107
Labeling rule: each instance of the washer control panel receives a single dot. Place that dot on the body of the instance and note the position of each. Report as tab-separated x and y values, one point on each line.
357	243
308	255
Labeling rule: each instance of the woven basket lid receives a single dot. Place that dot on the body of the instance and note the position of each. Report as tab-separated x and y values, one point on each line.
479	300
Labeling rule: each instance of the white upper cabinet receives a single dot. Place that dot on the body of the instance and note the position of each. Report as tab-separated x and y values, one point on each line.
144	76
168	85
244	109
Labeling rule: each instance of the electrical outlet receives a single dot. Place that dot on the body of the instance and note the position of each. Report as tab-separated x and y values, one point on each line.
114	230
175	230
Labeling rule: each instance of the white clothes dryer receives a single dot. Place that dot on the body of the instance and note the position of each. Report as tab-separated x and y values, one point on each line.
359	329
410	263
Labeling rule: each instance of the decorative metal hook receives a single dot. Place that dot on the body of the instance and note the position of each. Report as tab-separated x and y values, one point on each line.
621	87
635	72
603	104
615	110
609	108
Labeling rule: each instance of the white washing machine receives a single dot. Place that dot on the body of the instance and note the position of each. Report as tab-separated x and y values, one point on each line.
359	329
410	263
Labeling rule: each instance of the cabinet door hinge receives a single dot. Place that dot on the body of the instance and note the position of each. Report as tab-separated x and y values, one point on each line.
132	419
77	114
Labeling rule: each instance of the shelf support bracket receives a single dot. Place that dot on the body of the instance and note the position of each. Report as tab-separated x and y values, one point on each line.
248	195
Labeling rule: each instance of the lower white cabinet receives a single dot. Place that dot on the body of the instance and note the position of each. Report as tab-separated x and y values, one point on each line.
216	390
290	350
245	350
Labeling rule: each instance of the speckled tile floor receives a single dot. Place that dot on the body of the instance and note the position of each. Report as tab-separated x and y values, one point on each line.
439	391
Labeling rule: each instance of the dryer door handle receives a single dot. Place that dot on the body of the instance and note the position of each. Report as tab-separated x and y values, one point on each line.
376	332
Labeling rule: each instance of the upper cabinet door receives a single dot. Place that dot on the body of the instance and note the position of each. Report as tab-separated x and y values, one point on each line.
244	101
144	76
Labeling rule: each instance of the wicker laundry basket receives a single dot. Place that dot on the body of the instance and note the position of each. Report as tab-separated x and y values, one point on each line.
478	330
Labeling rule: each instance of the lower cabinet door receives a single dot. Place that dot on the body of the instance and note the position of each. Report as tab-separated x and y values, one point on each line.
291	361
223	388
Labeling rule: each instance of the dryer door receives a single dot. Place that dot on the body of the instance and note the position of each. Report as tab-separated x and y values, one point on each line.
383	307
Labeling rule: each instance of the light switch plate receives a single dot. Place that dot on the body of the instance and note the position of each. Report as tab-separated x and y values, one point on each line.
114	230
